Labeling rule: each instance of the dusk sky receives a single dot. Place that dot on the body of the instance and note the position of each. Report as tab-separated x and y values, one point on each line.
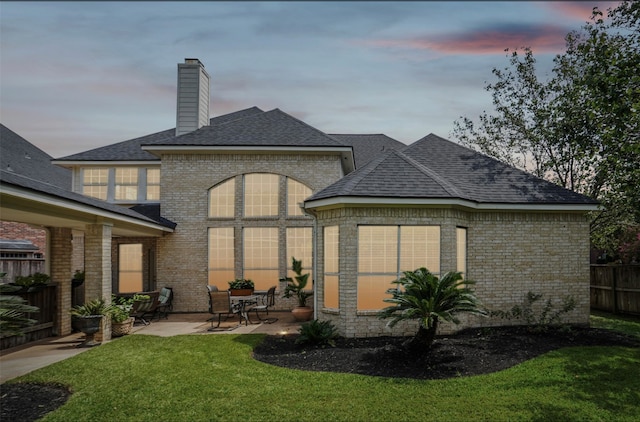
76	76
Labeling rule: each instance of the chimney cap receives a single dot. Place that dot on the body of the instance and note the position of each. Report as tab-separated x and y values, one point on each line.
193	61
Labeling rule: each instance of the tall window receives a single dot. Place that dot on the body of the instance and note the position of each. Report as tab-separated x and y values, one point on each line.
461	248
296	193
221	256
126	184
385	251
153	184
331	267
261	195
261	256
299	245
95	182
130	268
222	199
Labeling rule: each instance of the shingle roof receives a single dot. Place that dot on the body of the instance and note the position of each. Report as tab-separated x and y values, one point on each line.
436	168
55	192
271	128
130	150
366	147
22	157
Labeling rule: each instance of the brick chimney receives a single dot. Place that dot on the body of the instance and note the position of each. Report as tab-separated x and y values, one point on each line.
193	97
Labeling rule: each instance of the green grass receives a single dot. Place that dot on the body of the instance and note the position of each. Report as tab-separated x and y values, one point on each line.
213	377
627	324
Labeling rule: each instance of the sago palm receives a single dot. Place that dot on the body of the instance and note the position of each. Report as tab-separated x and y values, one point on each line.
423	296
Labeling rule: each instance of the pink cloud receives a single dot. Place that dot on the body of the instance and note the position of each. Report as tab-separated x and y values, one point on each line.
579	10
542	39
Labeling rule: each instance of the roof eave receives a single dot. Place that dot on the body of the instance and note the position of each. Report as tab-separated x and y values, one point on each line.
361	201
345	152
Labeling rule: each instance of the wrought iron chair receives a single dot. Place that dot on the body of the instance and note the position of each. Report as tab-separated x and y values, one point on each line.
268	301
220	304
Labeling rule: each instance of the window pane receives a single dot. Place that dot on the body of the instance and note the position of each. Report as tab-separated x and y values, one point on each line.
461	248
126	184
372	290
377	249
331	267
261	256
331	292
296	193
153	184
94	183
261	194
222	199
221	257
299	245
420	247
331	249
130	268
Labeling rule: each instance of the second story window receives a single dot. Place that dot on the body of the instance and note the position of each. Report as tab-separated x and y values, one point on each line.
126	184
95	182
153	184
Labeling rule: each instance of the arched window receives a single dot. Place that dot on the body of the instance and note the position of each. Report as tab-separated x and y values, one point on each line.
296	193
222	199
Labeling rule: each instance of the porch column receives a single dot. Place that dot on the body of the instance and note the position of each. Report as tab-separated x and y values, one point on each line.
60	267
97	261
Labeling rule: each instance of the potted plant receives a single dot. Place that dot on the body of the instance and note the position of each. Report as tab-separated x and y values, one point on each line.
241	287
77	279
296	287
88	318
32	282
121	321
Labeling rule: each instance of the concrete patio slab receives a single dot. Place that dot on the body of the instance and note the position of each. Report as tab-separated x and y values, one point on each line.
21	360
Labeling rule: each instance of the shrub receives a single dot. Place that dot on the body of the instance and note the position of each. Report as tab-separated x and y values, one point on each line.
546	318
13	310
317	333
421	295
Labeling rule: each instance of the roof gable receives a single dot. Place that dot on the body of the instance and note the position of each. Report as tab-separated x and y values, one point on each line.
435	168
271	128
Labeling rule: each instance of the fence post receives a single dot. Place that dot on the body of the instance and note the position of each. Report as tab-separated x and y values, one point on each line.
614	288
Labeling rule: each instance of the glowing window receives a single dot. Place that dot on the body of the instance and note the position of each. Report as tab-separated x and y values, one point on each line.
126	184
299	245
261	256
222	199
153	184
95	182
261	195
296	194
221	257
331	267
130	268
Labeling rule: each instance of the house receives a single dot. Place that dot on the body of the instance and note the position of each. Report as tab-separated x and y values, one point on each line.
238	195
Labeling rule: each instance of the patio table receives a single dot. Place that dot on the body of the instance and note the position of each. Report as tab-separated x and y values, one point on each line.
245	302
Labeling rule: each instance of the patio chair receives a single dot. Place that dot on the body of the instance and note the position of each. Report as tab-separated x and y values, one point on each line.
144	306
220	304
268	301
165	303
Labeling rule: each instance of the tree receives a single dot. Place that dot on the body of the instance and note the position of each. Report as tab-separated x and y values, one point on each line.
421	295
581	127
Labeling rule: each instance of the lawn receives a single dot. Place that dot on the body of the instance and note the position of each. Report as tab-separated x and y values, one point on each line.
213	377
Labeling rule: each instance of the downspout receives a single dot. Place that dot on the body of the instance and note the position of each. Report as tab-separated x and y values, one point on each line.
314	254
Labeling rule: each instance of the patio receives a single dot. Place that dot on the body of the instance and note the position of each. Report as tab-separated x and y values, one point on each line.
24	359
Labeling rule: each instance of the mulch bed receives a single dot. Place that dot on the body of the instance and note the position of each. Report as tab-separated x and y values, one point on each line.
469	352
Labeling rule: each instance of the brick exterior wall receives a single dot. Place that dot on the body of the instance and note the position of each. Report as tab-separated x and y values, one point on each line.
13	230
508	255
185	182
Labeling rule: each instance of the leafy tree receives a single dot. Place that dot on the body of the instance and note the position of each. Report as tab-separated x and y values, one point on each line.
423	296
581	127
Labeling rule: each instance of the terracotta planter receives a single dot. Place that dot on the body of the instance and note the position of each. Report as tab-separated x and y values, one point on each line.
241	292
123	328
302	313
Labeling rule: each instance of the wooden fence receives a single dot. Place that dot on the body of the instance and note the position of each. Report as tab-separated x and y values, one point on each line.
46	300
616	288
15	267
